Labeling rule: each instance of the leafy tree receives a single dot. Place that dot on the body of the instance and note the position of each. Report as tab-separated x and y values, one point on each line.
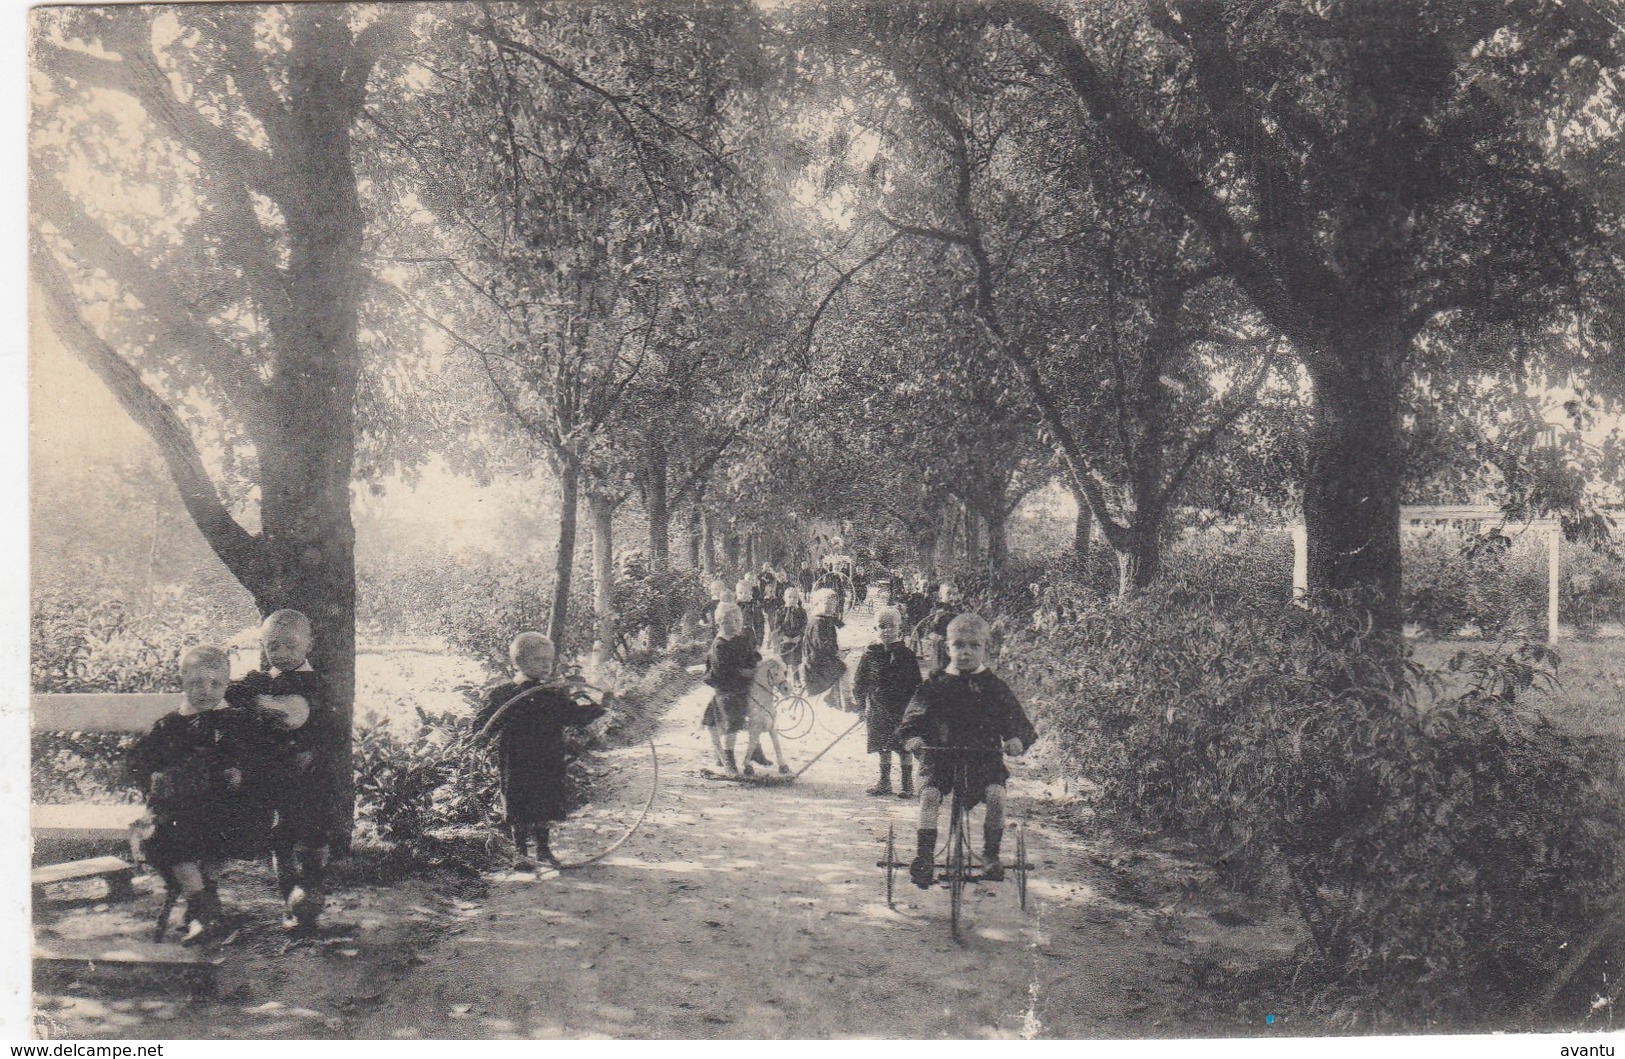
1373	176
178	254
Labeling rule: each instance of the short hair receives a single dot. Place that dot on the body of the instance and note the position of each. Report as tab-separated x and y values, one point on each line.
528	642
745	590
792	595
889	612
969	622
215	658
725	608
279	618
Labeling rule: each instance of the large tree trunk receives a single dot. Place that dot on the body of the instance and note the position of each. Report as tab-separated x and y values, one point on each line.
1140	562
564	560
308	461
1352	489
708	547
602	512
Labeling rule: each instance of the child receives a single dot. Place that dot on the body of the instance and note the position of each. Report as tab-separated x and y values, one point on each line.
730	666
183	774
934	629
791	626
527	717
964	705
822	669
751	608
291	779
888	674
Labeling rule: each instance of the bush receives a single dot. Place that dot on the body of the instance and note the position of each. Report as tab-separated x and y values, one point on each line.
77	645
1440	851
80	767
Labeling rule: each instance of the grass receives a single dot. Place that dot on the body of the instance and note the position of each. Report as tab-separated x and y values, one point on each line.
1590	696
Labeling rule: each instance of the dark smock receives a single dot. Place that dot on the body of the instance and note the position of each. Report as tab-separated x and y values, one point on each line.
181	748
791	627
821	655
755	619
256	741
730	666
975	710
885	682
290	789
531	751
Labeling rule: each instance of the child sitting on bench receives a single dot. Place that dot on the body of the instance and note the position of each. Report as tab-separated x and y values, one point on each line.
183	774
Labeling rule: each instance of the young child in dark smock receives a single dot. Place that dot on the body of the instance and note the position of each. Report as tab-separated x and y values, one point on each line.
292	779
183	774
526	717
888	674
730	666
964	706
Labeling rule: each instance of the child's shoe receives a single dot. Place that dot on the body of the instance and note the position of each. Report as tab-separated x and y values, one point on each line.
760	757
993	870
880	789
922	870
523	864
784	770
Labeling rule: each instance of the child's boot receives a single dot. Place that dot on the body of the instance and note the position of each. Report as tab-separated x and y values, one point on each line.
521	849
992	867
884	786
907	790
921	871
202	917
544	852
759	757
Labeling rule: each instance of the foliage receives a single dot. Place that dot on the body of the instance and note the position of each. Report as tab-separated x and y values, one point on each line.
409	782
1440	850
67	768
76	645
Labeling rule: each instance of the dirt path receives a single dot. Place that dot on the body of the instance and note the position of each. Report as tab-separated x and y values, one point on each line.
758	912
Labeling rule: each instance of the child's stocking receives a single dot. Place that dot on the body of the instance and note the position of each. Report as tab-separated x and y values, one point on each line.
906	760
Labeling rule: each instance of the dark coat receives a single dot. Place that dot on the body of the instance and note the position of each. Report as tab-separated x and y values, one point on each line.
285	781
977	711
730	666
791	626
822	666
529	736
885	682
182	774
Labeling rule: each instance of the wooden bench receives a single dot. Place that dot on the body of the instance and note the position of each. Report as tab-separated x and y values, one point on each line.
136	963
117	872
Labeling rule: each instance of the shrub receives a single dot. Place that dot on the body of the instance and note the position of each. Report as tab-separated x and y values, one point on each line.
80	767
1440	850
77	645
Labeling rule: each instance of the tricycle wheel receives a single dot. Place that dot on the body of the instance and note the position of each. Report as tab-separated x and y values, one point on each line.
958	868
891	861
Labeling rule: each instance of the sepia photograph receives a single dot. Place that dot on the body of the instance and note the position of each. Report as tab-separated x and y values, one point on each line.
802	519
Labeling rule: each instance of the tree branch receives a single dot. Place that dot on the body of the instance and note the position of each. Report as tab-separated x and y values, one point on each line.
172	314
240	550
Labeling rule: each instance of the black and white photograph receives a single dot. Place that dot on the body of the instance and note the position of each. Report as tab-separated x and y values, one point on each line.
802	519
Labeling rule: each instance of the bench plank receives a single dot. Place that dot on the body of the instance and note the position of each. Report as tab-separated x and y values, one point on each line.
83	821
102	712
89	868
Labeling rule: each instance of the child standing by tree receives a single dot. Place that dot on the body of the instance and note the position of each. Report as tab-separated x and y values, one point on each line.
888	674
293	689
184	774
527	716
971	717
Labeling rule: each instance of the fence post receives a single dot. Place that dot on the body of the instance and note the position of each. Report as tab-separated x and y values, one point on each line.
1300	564
1554	538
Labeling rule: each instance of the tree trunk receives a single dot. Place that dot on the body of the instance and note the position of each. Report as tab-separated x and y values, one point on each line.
564	560
1352	489
730	551
708	547
1139	563
694	541
308	460
998	543
602	512
973	537
659	515
1082	531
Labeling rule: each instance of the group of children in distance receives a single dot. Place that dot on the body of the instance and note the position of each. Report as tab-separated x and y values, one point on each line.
960	720
230	776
